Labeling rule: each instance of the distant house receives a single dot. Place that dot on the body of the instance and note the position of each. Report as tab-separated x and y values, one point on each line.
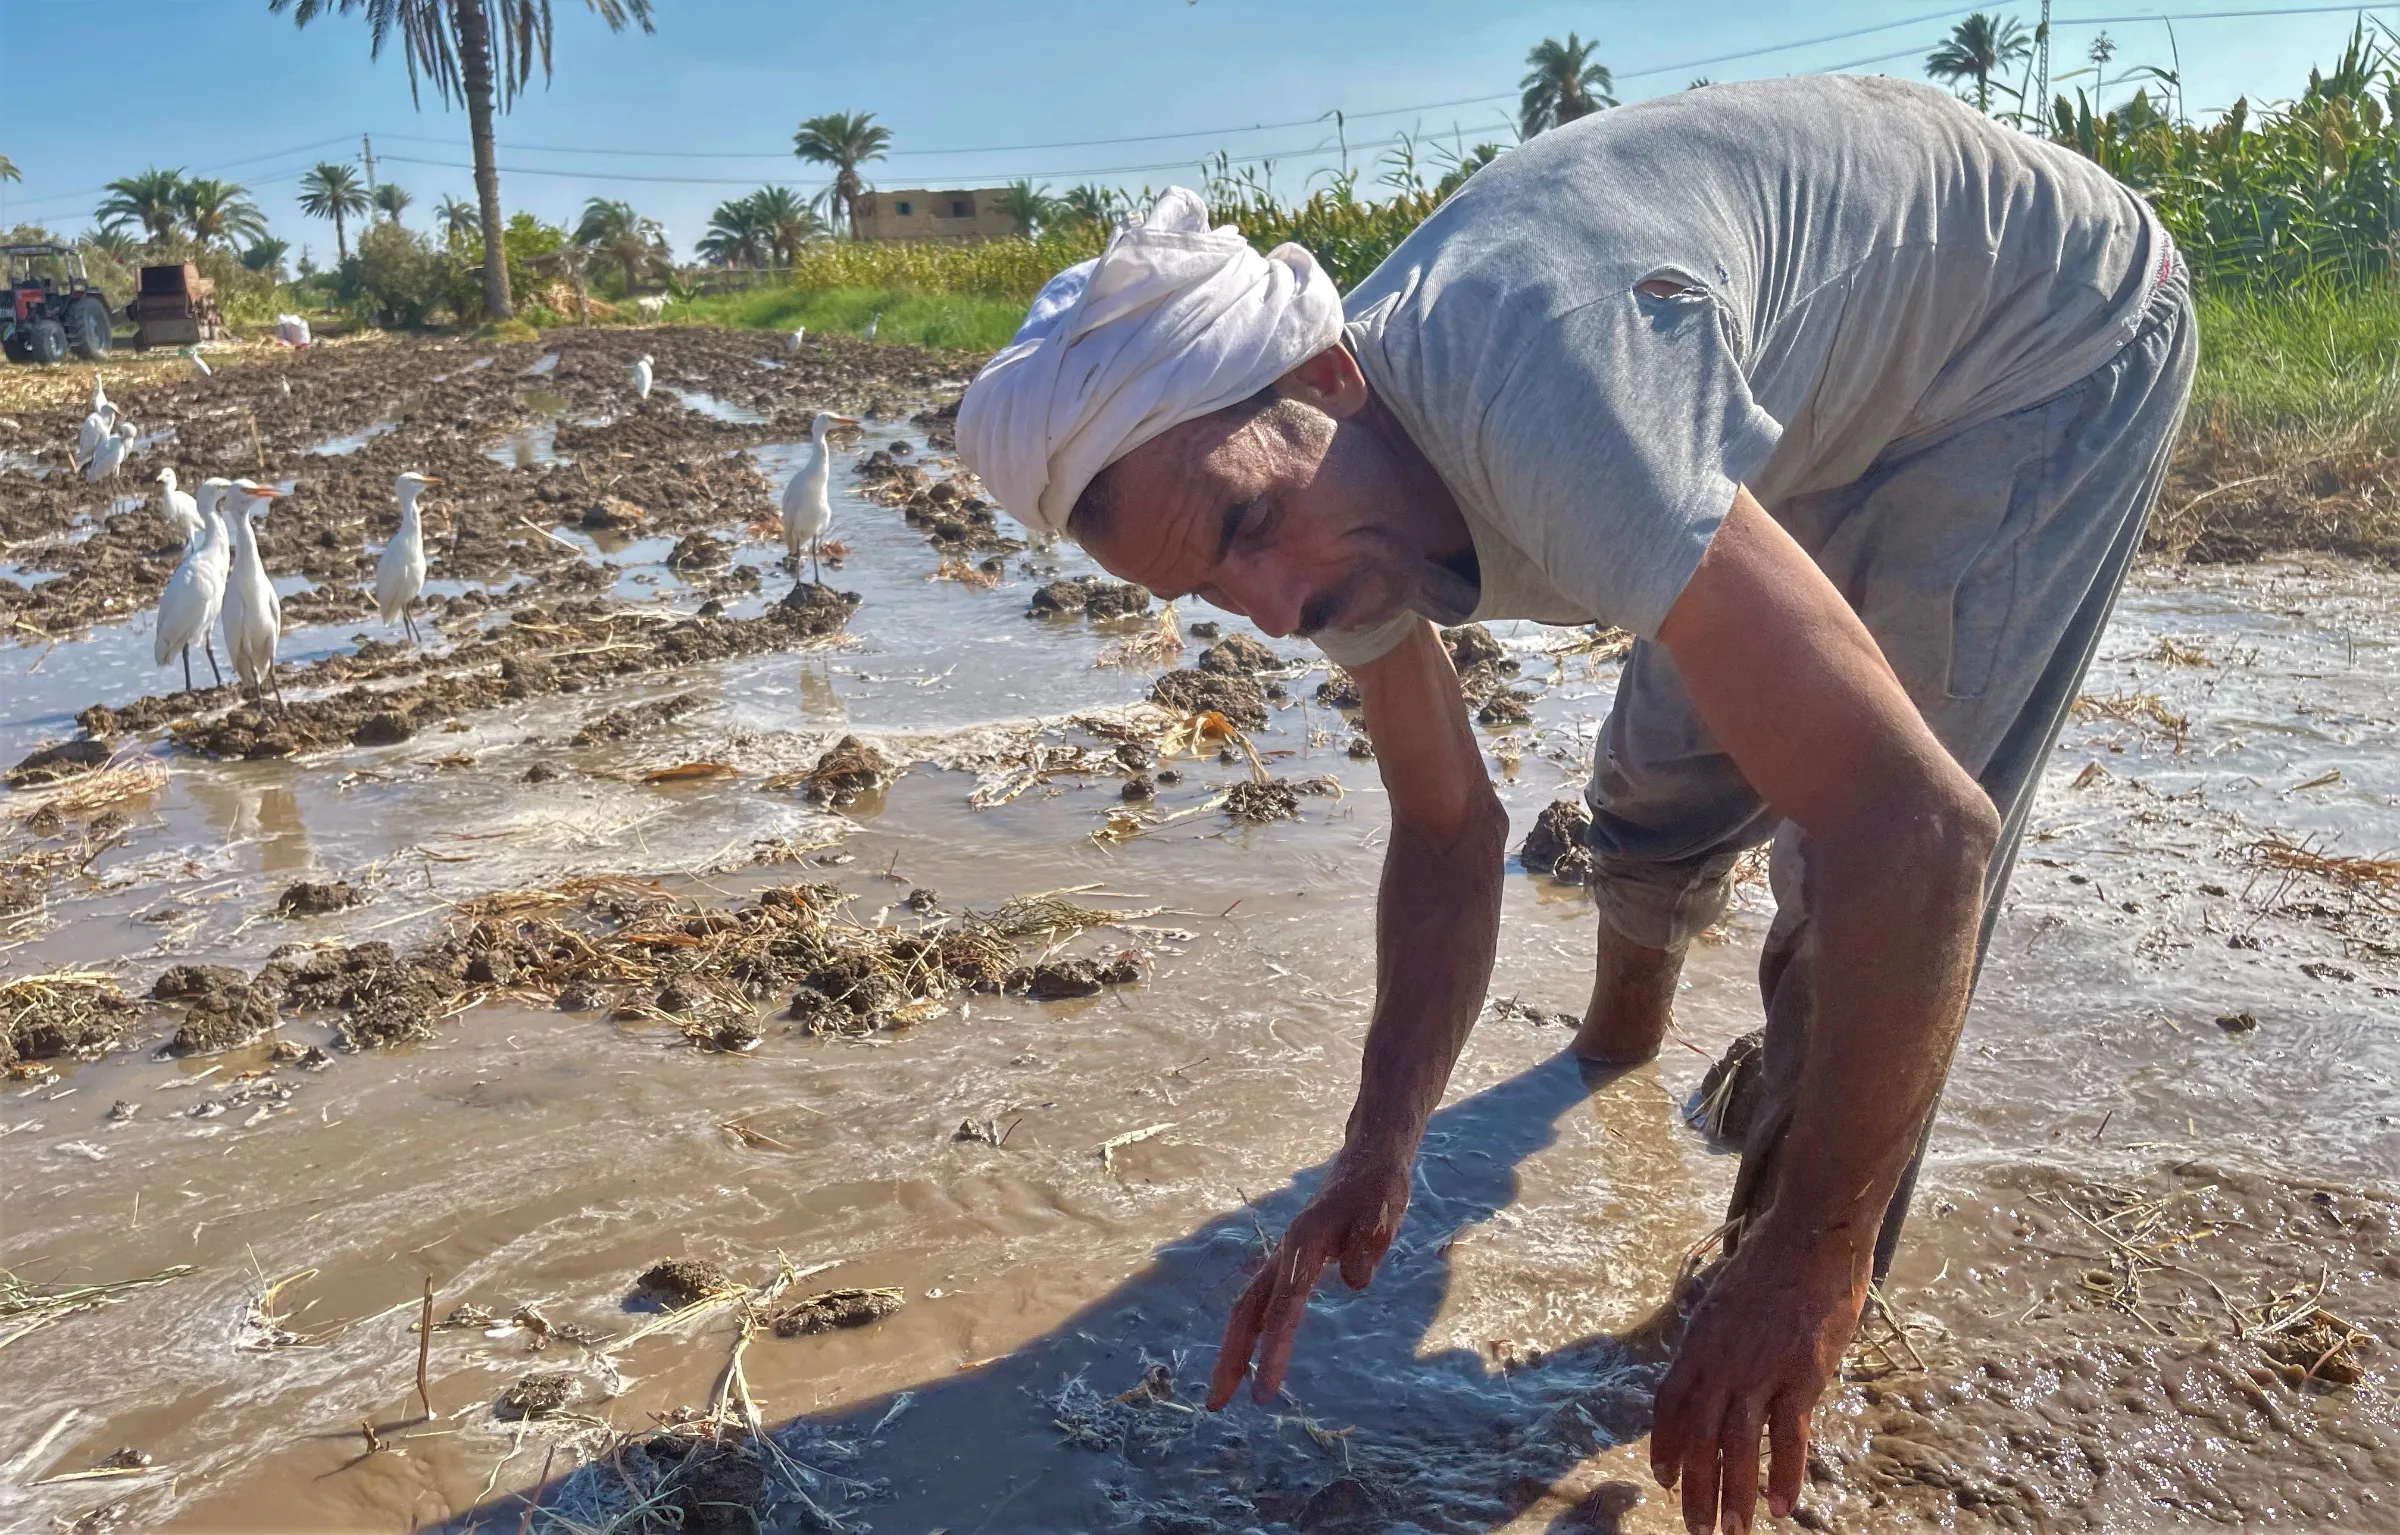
917	214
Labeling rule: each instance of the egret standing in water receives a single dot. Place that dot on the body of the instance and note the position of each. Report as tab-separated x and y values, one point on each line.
807	503
253	613
96	429
110	456
642	375
400	571
178	507
187	609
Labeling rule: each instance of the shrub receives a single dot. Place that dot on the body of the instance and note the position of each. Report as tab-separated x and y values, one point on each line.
395	278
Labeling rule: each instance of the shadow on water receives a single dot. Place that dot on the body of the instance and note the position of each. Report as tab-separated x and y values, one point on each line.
1379	1428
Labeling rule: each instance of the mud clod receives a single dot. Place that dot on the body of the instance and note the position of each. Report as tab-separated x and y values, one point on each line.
1339	690
849	770
537	1395
1559	844
1238	655
698	551
1275	799
316	898
814	609
224	1020
1139	787
68	759
2237	1023
635	719
1055	980
681	1281
834	1309
1504	708
1095	597
1197	692
716	1488
541	772
386	727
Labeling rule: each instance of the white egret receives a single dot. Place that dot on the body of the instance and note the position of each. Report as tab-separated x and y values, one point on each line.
199	363
400	570
807	505
187	609
798	337
178	507
253	613
642	375
114	449
284	383
100	405
874	324
96	428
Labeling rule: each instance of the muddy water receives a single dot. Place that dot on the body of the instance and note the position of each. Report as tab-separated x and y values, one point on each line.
546	1158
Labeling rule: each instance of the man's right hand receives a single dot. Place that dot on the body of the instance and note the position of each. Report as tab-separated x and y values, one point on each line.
1350	1223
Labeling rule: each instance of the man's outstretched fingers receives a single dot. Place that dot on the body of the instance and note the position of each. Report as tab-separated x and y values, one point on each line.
1241	1336
1737	1455
1667	1432
1700	1482
1787	1427
1295	1276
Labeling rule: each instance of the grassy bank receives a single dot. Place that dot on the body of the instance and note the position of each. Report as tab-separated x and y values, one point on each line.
964	321
2320	362
2293	442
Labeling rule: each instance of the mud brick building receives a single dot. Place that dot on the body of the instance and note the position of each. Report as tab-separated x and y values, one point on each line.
918	214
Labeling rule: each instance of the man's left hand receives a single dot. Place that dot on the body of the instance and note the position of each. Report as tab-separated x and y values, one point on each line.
1759	1352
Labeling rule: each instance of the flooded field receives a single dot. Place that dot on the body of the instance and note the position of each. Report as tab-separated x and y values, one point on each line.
834	1063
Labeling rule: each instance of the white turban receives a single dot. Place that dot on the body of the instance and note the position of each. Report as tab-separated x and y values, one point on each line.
1172	321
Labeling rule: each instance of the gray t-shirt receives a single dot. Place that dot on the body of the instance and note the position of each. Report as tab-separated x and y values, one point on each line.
1857	265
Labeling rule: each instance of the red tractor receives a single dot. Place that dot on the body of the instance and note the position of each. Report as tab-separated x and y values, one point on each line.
53	309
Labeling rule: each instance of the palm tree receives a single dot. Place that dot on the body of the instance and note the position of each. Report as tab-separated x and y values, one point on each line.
845	141
1090	204
218	211
633	244
114	242
737	234
266	255
1978	48
457	218
391	200
9	171
784	220
451	43
1563	84
333	191
1031	206
147	200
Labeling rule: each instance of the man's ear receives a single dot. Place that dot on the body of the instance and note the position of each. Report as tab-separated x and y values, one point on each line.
1331	381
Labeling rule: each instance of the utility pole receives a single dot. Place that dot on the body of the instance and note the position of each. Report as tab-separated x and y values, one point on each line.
367	145
2041	47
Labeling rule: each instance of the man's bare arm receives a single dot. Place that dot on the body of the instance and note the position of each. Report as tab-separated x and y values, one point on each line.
1437	925
1795	690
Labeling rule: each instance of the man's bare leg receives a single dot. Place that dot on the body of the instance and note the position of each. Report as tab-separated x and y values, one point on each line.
1633	996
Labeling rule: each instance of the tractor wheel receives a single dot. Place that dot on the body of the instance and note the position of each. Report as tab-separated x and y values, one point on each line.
88	328
47	340
15	346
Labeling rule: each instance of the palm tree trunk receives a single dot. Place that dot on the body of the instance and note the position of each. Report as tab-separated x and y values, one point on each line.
475	71
341	241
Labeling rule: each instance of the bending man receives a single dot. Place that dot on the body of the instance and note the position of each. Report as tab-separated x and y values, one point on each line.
1850	404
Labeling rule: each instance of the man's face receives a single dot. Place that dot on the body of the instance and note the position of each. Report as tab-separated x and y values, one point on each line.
1289	517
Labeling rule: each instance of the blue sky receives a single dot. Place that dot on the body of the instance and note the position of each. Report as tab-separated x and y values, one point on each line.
223	87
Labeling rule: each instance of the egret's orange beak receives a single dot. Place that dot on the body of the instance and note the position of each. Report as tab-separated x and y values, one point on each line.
428	479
